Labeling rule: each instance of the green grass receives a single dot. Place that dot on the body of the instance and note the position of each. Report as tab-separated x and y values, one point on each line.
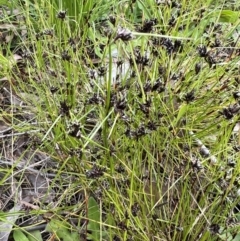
148	157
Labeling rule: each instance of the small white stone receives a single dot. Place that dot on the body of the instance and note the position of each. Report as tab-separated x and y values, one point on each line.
204	151
213	159
238	192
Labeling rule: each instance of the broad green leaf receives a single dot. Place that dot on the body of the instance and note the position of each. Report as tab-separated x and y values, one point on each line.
74	236
94	218
18	235
182	111
34	236
65	235
141	7
61	229
225	236
7	224
237	238
5	2
53	225
92	36
228	16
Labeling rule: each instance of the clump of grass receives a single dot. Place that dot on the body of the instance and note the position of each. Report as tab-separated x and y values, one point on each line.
151	149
